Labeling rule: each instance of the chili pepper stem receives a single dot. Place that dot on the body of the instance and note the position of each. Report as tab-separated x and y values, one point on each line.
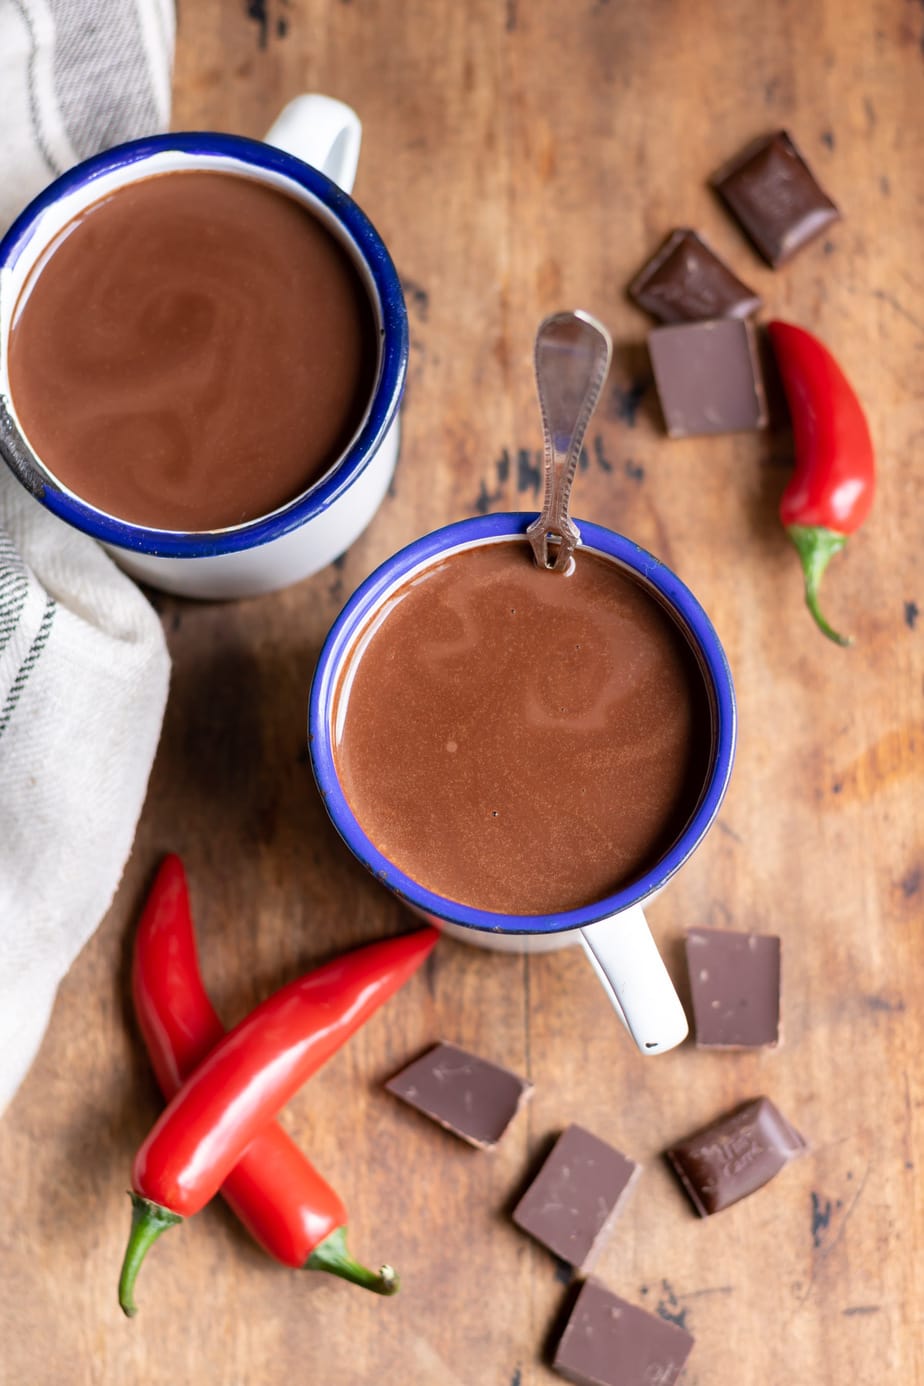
332	1255
816	547
149	1220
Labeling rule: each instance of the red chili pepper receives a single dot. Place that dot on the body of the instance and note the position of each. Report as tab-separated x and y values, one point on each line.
831	490
276	1192
247	1077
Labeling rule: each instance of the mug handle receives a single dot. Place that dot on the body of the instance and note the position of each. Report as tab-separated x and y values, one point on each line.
626	959
322	132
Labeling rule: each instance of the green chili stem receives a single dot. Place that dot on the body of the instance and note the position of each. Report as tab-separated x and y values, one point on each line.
149	1220
816	547
332	1255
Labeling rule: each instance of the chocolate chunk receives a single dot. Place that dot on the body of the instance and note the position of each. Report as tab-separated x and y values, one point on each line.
735	1155
735	983
609	1342
472	1098
772	191
685	281
572	1203
708	377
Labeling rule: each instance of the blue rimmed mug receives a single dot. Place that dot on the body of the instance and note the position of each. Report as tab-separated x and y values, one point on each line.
311	155
613	931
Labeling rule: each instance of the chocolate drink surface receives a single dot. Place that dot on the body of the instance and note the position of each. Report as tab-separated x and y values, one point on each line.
193	351
519	740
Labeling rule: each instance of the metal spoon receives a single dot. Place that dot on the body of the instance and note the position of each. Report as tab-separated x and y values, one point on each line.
572	358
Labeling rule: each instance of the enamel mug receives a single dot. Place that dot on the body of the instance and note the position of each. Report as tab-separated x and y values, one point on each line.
310	154
613	931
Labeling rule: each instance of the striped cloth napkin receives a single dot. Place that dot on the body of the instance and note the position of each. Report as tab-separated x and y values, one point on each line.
83	664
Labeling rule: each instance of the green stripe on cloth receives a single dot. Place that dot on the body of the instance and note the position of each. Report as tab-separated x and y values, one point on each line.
28	664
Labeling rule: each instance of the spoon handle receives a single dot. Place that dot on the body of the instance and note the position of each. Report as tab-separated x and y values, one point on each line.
572	358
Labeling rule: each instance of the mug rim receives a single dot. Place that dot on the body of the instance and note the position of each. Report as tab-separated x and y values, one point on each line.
698	630
386	394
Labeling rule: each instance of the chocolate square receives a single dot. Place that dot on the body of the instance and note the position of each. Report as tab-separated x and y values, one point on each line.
735	984
571	1204
708	377
471	1097
685	281
609	1342
775	196
735	1155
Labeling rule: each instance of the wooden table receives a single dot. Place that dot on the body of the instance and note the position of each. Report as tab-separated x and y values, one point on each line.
519	158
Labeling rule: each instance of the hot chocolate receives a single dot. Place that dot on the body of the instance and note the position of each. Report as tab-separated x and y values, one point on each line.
193	351
522	741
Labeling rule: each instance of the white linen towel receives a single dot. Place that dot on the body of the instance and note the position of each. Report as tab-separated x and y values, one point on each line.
83	663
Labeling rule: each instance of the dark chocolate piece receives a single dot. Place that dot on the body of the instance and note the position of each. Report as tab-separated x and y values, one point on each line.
571	1204
609	1342
735	984
708	377
472	1098
735	1155
685	281
774	195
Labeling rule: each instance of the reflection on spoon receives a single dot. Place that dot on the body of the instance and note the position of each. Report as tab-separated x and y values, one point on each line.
572	358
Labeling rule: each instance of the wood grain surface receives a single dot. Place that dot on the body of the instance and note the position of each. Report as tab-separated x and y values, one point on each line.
519	158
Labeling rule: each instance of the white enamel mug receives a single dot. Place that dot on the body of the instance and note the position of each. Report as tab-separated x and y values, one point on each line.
310	154
613	931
